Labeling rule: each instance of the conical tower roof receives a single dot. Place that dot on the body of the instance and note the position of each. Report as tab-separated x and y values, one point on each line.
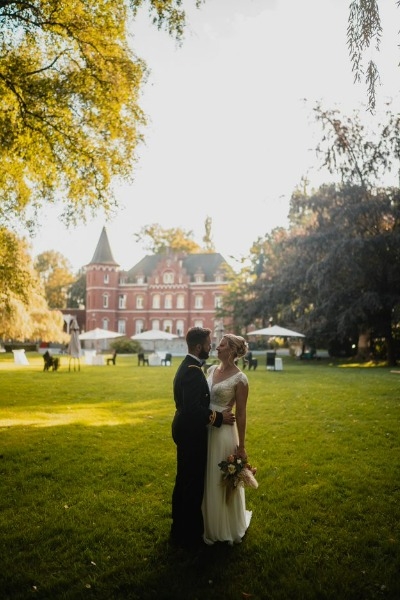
103	255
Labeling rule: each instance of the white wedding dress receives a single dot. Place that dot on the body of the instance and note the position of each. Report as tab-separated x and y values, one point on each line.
223	522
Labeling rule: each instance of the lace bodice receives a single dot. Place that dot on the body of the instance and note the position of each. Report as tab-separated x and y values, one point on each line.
223	393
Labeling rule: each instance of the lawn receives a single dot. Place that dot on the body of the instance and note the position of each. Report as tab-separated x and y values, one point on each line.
87	469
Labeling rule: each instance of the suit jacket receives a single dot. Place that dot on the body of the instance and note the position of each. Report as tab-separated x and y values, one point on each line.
192	397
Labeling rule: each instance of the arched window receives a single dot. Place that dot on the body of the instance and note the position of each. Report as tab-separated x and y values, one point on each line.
168	301
156	301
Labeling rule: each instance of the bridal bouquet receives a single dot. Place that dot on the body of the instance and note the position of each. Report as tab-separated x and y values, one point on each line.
235	472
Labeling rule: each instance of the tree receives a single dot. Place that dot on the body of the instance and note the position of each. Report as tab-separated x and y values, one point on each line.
359	155
55	274
339	275
24	313
16	279
77	291
159	240
365	30
69	90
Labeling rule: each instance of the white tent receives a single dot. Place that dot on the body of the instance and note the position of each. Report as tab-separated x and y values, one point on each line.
153	335
276	331
99	334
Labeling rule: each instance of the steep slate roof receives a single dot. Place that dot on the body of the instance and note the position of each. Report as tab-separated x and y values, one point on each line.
102	254
192	263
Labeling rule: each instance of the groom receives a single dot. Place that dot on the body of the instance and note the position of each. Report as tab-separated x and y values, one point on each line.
189	432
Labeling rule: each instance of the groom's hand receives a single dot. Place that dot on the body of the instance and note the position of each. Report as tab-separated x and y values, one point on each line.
228	418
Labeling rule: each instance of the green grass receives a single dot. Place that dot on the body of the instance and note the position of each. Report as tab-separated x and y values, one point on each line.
87	469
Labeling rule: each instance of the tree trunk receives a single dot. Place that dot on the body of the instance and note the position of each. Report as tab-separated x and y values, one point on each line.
363	346
391	355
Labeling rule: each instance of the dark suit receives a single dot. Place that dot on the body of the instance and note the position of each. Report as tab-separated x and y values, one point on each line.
189	432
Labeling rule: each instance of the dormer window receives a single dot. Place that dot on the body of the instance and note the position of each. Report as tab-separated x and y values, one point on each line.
168	277
199	277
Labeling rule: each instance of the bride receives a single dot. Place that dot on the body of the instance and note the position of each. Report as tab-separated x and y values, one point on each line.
226	519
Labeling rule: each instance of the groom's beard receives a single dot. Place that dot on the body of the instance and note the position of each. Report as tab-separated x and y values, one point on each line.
204	354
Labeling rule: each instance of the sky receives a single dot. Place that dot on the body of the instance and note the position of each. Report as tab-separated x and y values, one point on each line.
230	131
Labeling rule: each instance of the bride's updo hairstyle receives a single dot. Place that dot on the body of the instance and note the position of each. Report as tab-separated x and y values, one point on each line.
237	344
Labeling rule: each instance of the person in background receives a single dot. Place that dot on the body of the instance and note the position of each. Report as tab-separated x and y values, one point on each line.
193	417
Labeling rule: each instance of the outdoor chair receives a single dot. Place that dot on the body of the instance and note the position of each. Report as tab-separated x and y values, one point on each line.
167	360
112	359
250	362
142	359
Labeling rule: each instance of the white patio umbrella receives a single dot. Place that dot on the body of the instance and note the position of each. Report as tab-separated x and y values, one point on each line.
276	331
96	335
99	334
154	335
74	347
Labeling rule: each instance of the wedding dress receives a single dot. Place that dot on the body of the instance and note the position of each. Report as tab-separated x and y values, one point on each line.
223	521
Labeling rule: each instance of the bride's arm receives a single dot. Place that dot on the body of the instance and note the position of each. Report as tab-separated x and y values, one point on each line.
242	392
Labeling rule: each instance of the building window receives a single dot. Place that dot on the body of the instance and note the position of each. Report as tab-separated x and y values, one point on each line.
180	301
218	301
156	301
122	326
219	277
168	326
105	300
106	278
198	302
122	301
105	324
199	277
168	277
198	323
139	326
140	279
168	301
139	302
180	327
155	324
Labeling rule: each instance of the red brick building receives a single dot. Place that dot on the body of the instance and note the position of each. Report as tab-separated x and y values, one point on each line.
171	292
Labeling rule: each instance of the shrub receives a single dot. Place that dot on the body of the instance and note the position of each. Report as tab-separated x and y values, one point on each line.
125	346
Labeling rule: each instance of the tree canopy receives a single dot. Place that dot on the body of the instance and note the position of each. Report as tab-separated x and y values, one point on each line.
24	313
69	90
55	273
335	272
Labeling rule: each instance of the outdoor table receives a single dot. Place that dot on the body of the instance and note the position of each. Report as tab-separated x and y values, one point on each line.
154	360
20	358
